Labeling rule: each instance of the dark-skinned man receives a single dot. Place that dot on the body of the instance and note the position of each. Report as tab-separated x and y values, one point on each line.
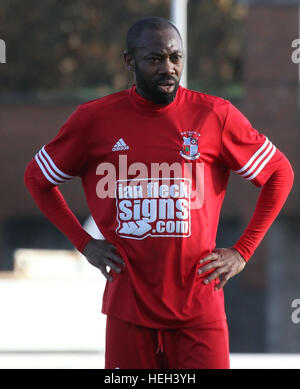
154	162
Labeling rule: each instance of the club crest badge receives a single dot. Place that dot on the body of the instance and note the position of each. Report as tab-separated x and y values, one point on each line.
190	145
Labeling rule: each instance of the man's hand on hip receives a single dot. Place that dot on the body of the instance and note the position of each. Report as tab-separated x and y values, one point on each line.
102	254
227	262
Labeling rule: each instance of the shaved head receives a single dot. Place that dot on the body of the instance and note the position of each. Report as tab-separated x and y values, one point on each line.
150	23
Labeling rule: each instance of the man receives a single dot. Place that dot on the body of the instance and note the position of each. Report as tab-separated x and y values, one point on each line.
154	162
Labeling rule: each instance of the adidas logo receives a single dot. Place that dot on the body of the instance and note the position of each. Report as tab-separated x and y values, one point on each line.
120	145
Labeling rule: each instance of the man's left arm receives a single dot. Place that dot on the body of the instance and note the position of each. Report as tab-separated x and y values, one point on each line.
230	261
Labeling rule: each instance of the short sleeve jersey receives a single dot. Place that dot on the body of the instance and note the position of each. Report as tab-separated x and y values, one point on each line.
155	178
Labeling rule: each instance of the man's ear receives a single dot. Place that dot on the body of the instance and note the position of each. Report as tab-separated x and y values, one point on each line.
129	61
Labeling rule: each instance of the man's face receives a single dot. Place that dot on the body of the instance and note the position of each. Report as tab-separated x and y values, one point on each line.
157	64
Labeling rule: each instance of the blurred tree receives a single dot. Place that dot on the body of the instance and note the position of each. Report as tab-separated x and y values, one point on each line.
215	40
77	45
68	44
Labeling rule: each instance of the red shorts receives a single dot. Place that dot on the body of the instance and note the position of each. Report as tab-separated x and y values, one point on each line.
129	346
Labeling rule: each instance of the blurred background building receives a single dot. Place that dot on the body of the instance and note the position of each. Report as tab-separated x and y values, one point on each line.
60	54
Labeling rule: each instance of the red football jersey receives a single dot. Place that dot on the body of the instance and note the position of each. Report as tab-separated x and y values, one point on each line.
155	178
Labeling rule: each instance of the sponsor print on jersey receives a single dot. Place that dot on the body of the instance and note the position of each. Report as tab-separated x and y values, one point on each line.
153	207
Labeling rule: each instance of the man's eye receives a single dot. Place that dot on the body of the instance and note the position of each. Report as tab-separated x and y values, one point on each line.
176	58
153	60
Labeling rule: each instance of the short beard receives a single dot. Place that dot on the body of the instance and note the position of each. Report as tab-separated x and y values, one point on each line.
151	92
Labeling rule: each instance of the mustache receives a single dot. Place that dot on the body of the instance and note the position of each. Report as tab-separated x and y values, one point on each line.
166	78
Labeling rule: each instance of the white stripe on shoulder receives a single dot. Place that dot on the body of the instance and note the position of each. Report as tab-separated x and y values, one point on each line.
263	164
53	164
48	168
44	171
253	157
257	162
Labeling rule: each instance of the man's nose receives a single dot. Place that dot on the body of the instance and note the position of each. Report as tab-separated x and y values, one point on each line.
167	67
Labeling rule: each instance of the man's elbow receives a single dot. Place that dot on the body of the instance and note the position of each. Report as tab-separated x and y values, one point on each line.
33	178
28	175
289	172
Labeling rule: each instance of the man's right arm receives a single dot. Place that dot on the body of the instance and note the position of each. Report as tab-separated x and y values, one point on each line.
51	202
